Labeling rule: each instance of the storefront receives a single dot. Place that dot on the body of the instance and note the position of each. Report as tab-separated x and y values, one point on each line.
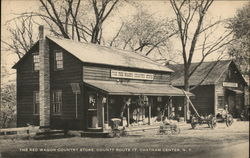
133	103
83	86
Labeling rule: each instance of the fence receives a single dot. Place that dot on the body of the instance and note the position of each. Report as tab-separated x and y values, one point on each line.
20	130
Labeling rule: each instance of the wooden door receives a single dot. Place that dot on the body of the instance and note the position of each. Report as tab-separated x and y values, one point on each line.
231	104
92	110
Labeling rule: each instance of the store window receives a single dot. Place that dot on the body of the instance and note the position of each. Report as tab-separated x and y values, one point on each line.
36	62
57	102
36	102
58	60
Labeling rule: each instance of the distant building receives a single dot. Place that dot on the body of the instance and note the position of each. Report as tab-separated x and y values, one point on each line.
62	83
222	84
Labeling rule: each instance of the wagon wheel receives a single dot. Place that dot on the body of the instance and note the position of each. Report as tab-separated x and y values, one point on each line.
161	130
176	130
208	125
114	133
193	123
111	134
118	134
124	133
168	132
229	120
213	123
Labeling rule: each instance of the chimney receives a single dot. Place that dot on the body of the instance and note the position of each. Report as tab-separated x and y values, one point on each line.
44	79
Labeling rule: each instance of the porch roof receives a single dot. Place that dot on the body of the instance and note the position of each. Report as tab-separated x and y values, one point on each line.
115	88
235	90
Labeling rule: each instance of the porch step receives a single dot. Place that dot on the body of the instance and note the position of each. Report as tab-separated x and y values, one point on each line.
94	134
50	132
94	130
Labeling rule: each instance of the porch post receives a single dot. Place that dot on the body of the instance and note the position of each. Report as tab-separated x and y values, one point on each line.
149	114
102	115
107	103
170	106
76	105
185	109
128	116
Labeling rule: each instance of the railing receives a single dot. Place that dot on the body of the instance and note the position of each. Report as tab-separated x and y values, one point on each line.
18	130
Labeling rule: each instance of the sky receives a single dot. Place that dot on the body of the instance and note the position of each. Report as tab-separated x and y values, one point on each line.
10	9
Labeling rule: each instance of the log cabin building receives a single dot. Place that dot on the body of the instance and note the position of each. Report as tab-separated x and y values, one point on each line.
62	83
222	84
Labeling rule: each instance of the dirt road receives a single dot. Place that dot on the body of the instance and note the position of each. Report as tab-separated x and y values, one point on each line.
202	142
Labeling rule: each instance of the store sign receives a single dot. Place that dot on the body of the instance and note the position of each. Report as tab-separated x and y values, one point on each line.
131	75
230	84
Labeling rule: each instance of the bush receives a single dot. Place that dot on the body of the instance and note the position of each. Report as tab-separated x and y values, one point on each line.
8	106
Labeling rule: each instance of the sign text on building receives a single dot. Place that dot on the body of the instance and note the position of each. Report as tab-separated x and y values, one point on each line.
131	75
230	84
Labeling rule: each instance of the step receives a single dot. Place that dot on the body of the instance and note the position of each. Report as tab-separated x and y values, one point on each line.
94	134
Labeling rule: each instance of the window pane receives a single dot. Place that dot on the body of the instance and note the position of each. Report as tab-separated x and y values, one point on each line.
59	56
59	64
59	60
57	101
37	97
54	107
36	66
59	107
36	62
36	102
60	96
36	58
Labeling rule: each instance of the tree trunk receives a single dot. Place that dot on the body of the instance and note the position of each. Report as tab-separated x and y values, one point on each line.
186	88
95	33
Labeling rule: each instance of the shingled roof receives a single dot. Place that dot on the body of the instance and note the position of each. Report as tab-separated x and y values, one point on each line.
93	53
200	73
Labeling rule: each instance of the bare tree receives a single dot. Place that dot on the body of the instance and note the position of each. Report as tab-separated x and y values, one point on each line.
64	18
21	36
196	35
144	33
101	13
190	18
65	14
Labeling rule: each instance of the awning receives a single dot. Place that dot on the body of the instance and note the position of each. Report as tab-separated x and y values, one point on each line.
115	88
236	91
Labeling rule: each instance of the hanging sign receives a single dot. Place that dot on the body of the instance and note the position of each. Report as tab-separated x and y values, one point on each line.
75	88
230	84
131	75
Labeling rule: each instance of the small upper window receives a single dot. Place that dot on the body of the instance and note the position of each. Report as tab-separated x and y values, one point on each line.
36	62
58	60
